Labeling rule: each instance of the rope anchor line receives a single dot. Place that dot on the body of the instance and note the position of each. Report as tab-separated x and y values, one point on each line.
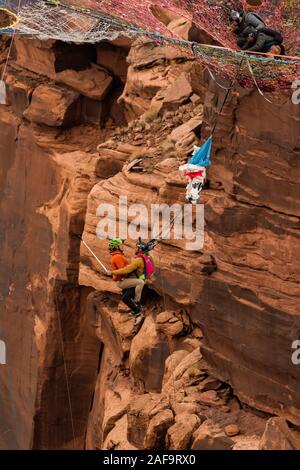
93	254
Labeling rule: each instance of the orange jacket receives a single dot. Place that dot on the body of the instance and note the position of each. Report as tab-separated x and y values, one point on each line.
118	261
135	269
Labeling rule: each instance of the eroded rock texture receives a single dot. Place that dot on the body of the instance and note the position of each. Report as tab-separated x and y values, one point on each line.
212	361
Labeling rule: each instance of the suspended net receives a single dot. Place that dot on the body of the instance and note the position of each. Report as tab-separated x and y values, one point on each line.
45	20
210	16
93	21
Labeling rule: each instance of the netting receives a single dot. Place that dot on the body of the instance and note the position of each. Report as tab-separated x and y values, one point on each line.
210	16
43	20
107	19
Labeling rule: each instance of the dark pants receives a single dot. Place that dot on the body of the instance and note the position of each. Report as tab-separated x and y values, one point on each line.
241	42
127	297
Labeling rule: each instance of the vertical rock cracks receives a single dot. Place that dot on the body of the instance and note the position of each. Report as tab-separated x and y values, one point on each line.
211	365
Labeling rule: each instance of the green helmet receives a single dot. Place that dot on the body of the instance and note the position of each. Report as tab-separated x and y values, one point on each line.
114	243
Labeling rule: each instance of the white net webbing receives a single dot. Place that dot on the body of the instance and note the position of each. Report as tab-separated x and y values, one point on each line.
45	20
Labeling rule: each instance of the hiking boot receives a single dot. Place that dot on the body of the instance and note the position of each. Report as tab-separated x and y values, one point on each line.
137	311
140	306
135	308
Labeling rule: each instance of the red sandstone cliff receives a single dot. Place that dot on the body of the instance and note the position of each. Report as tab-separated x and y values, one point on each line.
211	367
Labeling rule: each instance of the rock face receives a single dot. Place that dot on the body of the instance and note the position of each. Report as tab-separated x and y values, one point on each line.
83	127
64	109
210	437
147	357
179	435
278	436
254	307
42	295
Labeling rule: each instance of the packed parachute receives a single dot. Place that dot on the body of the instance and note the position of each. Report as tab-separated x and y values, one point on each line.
95	20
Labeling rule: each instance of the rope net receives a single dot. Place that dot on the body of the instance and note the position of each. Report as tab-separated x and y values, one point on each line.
210	16
43	20
97	20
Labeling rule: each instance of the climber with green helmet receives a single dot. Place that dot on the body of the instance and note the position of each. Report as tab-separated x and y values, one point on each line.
115	244
126	281
136	273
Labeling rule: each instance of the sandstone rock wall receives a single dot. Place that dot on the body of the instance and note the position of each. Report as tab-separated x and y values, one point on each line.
76	375
48	168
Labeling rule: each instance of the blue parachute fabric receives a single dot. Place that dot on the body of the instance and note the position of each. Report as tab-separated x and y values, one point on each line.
202	156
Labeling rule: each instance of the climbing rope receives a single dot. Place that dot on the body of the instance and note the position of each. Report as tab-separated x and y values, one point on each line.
65	370
214	79
256	84
13	26
195	168
94	255
226	98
